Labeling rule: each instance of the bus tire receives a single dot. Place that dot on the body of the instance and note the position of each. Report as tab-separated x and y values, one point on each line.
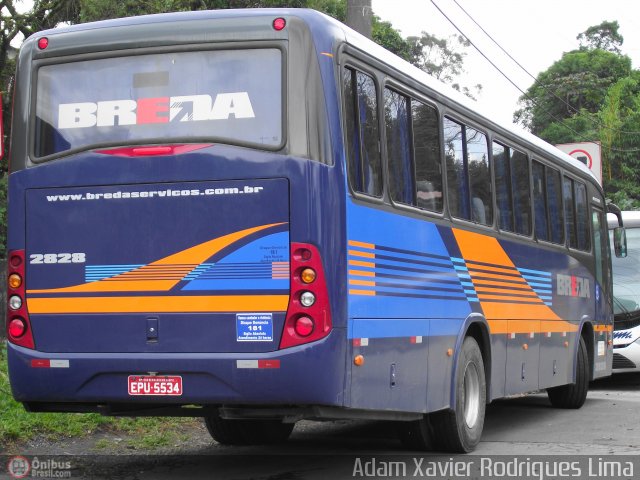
573	395
460	428
247	432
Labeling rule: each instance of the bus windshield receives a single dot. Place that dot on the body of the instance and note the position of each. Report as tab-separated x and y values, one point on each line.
626	275
224	95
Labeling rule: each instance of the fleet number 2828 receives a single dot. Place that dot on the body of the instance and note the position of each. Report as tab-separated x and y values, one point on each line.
41	258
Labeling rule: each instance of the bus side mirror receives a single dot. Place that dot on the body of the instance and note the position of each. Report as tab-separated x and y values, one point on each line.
620	242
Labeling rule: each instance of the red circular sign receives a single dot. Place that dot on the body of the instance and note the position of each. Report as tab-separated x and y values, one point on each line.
579	154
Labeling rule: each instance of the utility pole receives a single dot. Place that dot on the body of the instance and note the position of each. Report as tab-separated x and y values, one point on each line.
359	16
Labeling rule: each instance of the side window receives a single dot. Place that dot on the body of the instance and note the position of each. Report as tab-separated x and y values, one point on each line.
601	249
468	173
401	174
521	188
582	217
457	181
503	186
569	214
540	201
479	177
554	205
598	242
365	170
426	145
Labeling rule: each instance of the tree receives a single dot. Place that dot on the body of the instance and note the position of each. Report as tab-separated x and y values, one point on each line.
443	58
593	94
579	81
601	37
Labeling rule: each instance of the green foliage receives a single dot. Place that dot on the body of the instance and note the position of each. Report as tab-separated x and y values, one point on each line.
384	34
442	58
593	94
603	37
578	81
93	10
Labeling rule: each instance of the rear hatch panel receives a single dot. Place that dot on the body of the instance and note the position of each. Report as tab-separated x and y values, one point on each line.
164	267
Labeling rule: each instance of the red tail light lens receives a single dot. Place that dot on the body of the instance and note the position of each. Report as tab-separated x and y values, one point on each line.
17	328
309	323
18	325
279	24
304	326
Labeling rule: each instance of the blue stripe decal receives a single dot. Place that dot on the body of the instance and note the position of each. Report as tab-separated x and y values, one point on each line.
535	272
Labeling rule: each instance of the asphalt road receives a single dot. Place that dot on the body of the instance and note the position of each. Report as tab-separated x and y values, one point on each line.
607	426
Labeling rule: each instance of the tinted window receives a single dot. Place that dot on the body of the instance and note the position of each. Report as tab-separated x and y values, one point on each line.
554	204
362	127
570	220
503	186
426	144
520	186
233	96
540	201
582	217
457	181
401	175
479	176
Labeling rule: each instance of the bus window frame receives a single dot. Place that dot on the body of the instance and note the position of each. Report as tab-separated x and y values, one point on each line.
393	84
353	63
36	64
506	142
456	117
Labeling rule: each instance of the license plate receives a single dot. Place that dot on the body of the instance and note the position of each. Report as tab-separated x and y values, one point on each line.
154	385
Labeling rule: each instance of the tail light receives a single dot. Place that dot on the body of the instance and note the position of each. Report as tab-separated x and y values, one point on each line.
312	322
18	325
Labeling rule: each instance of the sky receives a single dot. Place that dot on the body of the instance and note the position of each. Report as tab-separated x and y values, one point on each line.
535	33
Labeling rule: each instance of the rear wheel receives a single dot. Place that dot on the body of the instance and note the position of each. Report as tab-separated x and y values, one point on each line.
460	429
574	395
247	432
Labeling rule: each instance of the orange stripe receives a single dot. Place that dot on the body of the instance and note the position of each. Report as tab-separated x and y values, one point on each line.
356	253
516	311
362	273
518	280
493	269
499	292
370	293
509	299
365	283
358	263
169	304
495	283
354	243
109	285
603	328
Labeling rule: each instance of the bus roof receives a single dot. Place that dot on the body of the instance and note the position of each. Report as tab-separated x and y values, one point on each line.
353	38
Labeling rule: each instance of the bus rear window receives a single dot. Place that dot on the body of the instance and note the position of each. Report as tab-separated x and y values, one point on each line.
231	95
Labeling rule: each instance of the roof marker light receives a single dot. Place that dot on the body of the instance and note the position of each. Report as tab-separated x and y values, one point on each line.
279	24
43	43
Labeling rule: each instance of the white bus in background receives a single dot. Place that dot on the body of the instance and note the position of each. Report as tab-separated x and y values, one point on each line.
626	296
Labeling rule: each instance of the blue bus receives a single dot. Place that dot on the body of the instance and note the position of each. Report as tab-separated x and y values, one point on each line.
260	216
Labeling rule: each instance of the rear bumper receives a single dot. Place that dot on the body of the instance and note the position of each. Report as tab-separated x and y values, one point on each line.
312	374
